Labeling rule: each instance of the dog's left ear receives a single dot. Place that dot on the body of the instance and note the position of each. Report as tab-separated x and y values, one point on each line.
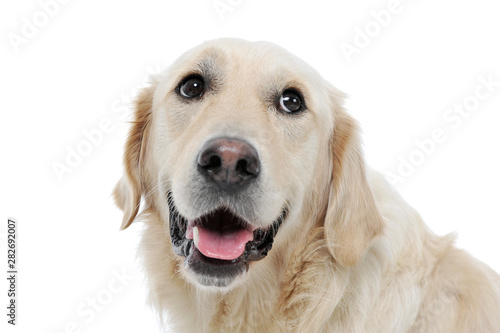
128	191
352	218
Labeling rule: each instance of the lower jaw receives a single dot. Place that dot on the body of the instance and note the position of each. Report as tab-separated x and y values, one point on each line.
211	272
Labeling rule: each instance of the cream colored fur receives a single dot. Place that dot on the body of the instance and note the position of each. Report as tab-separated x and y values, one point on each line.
352	256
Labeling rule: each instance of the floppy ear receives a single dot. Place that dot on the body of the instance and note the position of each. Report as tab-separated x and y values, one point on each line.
352	217
127	192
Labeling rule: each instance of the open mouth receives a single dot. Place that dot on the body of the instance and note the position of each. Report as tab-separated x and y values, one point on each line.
219	245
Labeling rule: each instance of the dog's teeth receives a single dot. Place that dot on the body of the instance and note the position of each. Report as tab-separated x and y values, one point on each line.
196	236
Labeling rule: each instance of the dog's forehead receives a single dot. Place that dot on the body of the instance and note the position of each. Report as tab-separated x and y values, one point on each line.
251	61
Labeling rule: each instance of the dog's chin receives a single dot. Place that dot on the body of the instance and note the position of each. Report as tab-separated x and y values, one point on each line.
223	266
214	274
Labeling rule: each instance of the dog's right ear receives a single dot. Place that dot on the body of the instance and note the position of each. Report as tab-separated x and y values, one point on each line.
128	191
352	219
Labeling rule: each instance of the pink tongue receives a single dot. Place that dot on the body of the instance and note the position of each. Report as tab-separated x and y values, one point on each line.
227	246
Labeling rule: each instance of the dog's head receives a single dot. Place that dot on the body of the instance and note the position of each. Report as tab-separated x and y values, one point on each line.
239	145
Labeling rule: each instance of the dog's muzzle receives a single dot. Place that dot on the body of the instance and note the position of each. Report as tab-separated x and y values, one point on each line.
219	245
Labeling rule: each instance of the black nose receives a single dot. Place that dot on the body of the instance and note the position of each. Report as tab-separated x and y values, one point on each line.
230	163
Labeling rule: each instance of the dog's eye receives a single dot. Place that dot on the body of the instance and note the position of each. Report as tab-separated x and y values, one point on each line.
291	101
192	86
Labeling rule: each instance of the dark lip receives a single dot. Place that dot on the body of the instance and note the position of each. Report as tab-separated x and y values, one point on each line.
255	250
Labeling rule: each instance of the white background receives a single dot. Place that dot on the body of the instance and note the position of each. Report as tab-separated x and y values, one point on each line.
89	58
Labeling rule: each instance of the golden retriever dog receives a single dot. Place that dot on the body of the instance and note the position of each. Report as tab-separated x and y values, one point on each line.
260	214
